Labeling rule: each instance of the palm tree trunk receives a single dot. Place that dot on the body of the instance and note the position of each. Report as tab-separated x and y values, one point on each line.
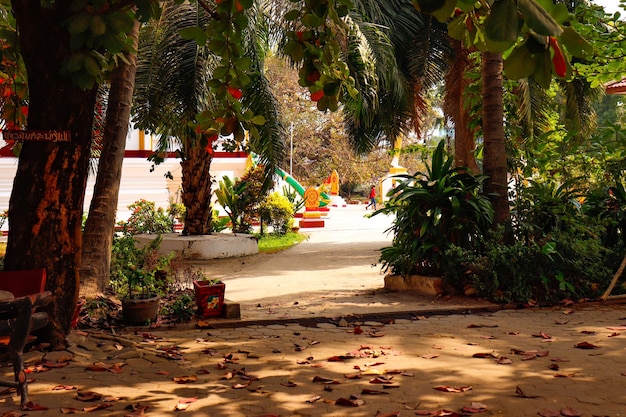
196	185
456	83
494	154
99	228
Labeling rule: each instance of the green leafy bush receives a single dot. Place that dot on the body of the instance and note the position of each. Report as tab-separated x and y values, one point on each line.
563	265
277	212
240	199
137	269
146	218
433	211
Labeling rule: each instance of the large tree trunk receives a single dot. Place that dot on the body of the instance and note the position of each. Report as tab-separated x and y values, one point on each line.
196	185
46	205
456	83
494	153
100	225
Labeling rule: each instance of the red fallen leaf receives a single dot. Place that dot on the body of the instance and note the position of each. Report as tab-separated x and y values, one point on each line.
554	367
345	402
117	368
488	337
339	358
571	375
180	406
586	345
370	364
559	360
472	409
221	365
546	412
289	384
355	375
314	399
303	362
366	391
513	333
88	396
392	414
394	371
31	406
325	380
374	334
227	375
522	394
147	335
98	367
381	380
63	388
203	371
614	334
446	388
69	410
163	372
241	386
478	326
570	412
588	332
484	355
51	365
430	356
100	406
357	329
438	413
503	360
186	379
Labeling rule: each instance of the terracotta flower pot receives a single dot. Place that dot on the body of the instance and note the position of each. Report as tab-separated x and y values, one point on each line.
209	298
140	310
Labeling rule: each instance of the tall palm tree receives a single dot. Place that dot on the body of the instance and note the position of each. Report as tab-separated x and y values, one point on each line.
172	90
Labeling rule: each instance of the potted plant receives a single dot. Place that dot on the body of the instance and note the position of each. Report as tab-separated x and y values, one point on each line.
209	295
136	272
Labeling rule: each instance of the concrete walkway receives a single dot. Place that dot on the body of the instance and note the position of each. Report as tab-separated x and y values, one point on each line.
334	273
320	337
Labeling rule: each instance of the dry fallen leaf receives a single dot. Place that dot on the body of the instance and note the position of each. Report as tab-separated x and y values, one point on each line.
366	391
63	388
392	414
88	396
31	406
13	414
430	356
314	399
570	412
522	394
349	402
184	403
446	388
186	379
586	345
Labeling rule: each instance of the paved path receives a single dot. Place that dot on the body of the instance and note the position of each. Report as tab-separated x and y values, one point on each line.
507	363
334	273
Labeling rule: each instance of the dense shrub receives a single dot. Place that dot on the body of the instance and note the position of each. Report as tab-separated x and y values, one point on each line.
146	218
433	211
277	212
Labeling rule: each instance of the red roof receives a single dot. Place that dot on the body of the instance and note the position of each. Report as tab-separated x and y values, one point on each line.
616	87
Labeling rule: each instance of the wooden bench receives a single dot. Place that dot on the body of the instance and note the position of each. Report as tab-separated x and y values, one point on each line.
21	294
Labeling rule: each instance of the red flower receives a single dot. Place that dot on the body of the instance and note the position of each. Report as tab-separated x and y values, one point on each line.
558	60
317	96
235	92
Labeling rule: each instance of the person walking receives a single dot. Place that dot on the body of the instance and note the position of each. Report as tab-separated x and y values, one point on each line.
372	198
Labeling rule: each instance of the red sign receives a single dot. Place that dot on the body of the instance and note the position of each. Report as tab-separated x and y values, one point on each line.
42	135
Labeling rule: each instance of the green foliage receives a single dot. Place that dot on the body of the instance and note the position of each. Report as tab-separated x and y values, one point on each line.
275	243
218	223
433	211
177	211
138	269
568	265
182	307
608	206
277	211
294	198
241	199
228	195
145	218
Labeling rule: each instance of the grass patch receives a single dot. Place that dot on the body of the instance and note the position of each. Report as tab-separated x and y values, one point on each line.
275	243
